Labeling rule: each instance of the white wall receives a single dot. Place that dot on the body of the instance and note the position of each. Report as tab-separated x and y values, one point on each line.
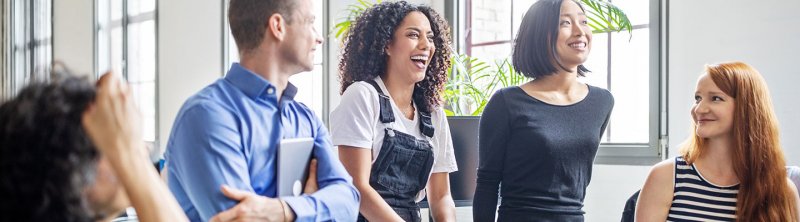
189	54
73	39
761	33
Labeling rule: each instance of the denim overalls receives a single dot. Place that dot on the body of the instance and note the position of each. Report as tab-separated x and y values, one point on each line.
403	164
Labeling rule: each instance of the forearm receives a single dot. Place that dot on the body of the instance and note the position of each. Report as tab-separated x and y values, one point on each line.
373	207
147	193
443	208
335	202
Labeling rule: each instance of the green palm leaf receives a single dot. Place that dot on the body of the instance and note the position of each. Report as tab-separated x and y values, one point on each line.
353	11
605	17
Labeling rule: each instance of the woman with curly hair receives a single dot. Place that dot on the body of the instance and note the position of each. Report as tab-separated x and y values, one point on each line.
732	168
392	133
538	140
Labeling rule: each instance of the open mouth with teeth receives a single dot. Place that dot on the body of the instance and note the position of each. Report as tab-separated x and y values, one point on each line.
578	45
420	61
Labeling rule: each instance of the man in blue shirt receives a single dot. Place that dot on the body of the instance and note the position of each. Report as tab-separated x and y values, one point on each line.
227	133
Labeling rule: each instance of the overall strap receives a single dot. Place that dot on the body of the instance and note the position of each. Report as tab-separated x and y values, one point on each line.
387	116
425	123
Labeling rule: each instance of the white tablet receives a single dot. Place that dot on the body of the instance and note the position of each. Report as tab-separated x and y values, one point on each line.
294	156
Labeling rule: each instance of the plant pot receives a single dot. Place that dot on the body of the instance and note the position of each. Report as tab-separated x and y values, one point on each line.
464	131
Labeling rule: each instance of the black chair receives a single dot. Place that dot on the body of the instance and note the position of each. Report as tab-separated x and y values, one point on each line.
629	212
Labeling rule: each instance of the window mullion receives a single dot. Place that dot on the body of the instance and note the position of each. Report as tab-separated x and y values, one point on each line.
125	21
608	81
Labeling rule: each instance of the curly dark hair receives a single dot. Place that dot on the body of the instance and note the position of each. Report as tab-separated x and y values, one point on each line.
46	158
364	57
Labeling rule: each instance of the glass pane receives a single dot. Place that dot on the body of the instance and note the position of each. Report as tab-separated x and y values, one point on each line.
116	50
141	51
136	7
103	51
630	76
491	21
318	27
318	54
19	70
149	128
116	9
597	62
103	12
44	13
309	88
19	25
144	96
492	53
103	36
520	8
233	52
638	11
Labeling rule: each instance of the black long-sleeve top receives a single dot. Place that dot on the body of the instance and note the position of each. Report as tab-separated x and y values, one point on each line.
541	154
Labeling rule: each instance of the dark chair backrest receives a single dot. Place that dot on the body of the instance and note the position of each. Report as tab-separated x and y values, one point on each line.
794	174
464	131
630	208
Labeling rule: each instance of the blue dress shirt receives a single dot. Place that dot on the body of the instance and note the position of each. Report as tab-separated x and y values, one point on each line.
228	133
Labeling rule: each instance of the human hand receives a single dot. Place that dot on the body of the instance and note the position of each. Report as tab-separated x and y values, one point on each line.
253	207
311	182
112	121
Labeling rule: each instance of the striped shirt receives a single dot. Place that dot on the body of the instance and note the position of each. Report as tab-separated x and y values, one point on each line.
696	199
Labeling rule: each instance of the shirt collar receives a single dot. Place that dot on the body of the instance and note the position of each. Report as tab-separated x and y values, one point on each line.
255	86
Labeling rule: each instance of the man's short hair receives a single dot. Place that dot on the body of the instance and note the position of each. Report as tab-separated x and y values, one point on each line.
248	19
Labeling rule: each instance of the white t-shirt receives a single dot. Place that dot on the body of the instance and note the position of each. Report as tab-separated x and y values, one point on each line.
355	122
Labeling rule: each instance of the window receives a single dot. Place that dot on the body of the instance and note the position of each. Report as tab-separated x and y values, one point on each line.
311	85
627	65
126	45
27	43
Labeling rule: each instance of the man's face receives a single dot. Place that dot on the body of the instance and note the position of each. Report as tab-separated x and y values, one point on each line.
302	38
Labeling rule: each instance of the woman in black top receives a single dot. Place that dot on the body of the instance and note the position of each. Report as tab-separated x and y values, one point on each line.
538	140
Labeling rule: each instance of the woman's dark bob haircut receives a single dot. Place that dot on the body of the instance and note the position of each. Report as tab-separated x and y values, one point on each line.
535	46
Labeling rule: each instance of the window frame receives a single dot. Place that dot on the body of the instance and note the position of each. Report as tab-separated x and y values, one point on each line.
656	149
36	47
125	21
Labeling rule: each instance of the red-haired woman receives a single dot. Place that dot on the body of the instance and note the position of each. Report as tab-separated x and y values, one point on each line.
733	167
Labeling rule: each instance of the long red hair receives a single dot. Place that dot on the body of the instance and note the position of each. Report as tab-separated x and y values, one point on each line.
758	161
